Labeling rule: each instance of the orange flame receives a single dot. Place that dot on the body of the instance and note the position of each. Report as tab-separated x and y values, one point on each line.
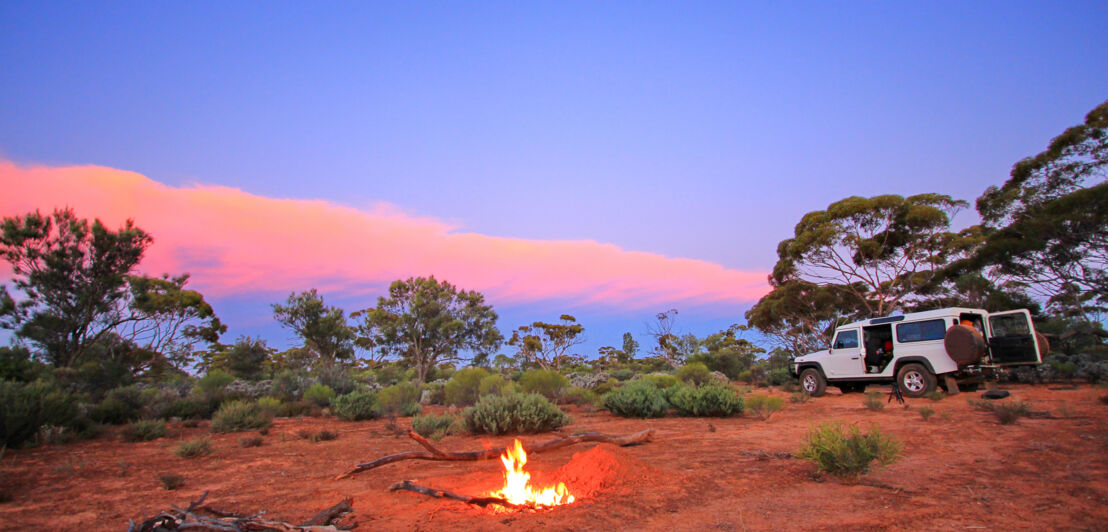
516	489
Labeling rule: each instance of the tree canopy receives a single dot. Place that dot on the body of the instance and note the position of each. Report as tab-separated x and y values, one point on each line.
322	328
875	253
426	322
1046	223
79	291
547	344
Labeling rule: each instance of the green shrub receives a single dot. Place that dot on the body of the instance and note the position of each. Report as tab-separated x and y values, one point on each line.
790	386
145	430
763	406
926	412
935	395
171	482
513	413
696	373
496	385
779	376
287	386
844	451
874	400
188	408
800	397
270	405
1008	412
545	382
238	416
157	403
663	382
605	387
399	399
434	427
579	396
25	408
299	408
194	448
640	398
355	406
214	382
119	406
464	387
320	394
709	400
623	374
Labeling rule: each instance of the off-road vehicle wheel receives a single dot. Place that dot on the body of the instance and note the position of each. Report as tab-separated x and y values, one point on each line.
812	381
915	381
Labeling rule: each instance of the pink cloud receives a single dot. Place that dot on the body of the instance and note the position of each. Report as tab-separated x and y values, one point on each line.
233	242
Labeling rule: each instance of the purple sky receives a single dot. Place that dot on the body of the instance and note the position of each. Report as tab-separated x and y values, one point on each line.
694	130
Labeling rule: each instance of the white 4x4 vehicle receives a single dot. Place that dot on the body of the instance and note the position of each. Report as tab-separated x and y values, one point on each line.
915	350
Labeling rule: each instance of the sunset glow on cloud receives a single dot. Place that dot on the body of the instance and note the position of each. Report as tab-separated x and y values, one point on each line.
233	242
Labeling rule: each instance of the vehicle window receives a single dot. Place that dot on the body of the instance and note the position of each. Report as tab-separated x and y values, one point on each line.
1009	325
921	331
846	339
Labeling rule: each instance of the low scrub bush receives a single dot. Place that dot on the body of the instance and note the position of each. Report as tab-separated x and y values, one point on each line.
434	427
316	437
464	387
847	452
214	382
936	395
299	408
250	441
238	416
320	394
171	482
578	396
194	448
639	398
497	385
25	408
271	405
513	413
779	376
355	406
709	400
399	399
800	397
663	382
188	408
623	374
926	412
763	406
1104	399
696	373
790	385
874	401
144	430
545	382
1006	412
605	387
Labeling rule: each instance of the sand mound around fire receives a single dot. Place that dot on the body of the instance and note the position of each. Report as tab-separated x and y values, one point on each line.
589	472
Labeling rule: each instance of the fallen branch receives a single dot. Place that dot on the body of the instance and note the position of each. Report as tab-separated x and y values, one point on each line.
408	485
434	453
192	518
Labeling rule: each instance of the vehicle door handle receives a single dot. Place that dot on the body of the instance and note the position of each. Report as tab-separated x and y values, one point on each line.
853	358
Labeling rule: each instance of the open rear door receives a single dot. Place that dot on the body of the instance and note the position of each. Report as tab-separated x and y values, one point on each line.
1012	338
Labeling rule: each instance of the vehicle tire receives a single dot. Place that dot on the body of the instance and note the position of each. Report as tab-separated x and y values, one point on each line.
812	381
965	345
1044	344
915	381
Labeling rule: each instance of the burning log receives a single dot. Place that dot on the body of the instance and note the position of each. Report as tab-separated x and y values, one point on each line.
434	453
192	518
408	485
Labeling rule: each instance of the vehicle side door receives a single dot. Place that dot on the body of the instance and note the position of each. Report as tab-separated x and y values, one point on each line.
846	355
1012	338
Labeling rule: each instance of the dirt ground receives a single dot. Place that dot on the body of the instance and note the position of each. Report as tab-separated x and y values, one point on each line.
961	470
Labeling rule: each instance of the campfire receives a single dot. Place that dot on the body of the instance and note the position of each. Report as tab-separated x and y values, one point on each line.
517	489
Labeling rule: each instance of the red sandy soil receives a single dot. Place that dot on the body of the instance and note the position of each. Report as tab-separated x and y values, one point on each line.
961	470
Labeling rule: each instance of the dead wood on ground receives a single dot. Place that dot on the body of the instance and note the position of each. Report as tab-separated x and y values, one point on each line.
198	516
434	453
408	485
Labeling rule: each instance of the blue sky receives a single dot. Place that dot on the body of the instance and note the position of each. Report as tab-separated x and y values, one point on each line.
696	130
